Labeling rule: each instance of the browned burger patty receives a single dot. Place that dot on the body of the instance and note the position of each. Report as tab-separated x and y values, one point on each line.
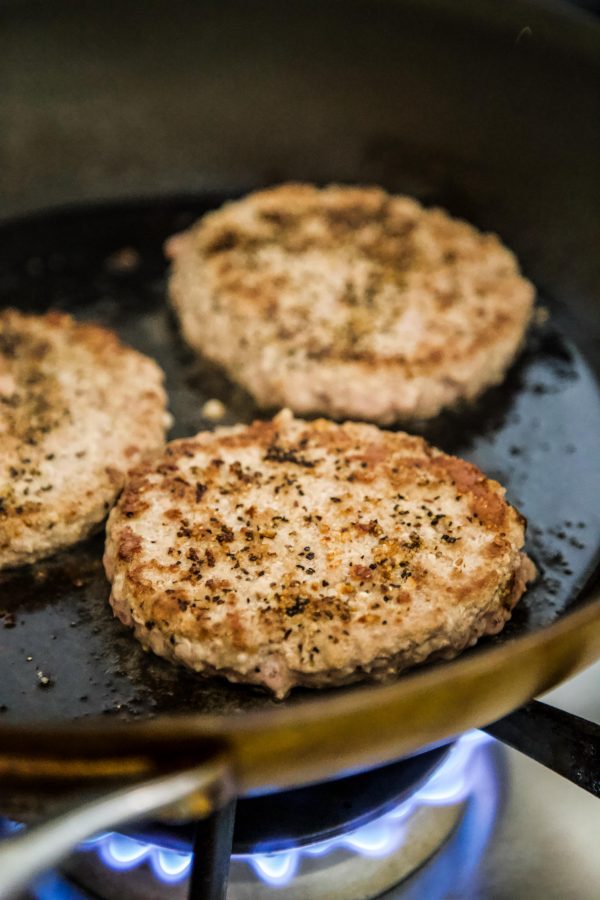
77	410
290	552
349	301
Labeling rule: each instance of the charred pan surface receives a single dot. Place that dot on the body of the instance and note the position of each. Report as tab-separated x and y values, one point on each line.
308	553
77	411
349	301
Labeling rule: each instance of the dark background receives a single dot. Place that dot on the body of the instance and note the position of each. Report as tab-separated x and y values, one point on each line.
490	108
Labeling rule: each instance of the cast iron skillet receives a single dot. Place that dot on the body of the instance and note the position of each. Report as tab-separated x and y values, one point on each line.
536	434
491	114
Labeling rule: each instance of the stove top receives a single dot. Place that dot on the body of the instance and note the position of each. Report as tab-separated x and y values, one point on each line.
482	822
350	839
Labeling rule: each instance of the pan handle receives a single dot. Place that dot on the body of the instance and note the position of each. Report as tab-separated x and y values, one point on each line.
558	740
188	794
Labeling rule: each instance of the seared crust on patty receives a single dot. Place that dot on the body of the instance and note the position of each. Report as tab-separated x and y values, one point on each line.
309	553
349	301
78	409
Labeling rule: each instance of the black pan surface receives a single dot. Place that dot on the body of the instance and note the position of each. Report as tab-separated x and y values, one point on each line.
62	654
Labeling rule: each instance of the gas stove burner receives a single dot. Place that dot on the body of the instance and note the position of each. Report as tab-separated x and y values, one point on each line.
454	792
310	815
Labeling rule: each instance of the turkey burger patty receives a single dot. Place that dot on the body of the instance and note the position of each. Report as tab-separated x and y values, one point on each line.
309	553
349	302
77	411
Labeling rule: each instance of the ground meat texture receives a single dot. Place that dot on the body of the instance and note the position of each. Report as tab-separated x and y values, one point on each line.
315	554
349	302
77	411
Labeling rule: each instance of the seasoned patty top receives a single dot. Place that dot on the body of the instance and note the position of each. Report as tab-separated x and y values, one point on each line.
77	410
328	546
356	274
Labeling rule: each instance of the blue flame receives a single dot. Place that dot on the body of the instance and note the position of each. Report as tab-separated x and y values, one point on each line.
168	865
277	868
466	773
121	852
